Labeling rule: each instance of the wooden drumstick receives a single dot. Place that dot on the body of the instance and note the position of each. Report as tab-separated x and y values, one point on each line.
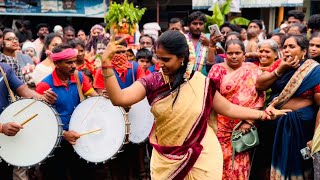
24	108
29	119
89	132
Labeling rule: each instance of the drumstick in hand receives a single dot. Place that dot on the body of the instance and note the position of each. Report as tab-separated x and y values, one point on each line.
24	108
89	132
29	119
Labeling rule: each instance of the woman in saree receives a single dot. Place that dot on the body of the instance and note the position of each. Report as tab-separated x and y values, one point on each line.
235	80
184	145
295	85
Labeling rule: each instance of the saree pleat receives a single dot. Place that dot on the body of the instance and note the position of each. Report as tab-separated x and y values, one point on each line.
290	137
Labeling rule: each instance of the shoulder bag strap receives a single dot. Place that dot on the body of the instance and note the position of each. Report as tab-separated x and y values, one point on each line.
133	71
79	86
233	150
13	98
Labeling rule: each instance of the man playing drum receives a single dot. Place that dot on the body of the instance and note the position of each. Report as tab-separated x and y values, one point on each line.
63	81
17	86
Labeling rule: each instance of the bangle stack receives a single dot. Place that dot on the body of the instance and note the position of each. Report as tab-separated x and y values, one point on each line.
260	115
107	76
107	67
210	63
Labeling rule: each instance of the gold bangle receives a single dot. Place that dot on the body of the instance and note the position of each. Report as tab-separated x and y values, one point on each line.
107	76
276	73
210	63
260	115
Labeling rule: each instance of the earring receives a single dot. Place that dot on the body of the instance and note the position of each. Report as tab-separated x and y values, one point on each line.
182	63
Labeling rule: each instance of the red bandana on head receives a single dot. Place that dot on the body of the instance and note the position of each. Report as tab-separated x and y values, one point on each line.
121	64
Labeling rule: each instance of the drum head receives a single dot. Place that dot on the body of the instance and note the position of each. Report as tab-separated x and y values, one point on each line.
34	143
98	113
141	121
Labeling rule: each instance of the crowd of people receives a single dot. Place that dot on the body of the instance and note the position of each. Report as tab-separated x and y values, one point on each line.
199	86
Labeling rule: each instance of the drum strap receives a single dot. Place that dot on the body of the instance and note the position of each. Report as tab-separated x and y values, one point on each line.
133	78
79	86
13	98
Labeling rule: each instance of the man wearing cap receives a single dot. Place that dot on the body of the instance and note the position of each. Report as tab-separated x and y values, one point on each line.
63	82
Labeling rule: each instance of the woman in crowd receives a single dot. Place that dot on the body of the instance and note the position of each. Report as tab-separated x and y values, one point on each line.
82	35
46	66
81	62
292	80
11	48
314	47
260	169
268	53
97	32
234	79
185	147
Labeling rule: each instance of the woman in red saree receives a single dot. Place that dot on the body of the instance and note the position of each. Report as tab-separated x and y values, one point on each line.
235	80
185	146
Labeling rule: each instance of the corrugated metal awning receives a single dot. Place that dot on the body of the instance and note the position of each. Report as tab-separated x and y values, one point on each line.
237	4
270	3
207	4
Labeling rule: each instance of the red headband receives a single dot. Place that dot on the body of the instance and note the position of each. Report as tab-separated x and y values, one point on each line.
64	55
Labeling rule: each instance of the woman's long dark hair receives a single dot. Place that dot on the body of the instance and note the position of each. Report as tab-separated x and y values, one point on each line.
174	42
47	42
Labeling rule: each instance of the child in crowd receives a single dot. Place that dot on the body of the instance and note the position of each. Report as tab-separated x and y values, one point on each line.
29	49
253	41
144	58
99	49
130	54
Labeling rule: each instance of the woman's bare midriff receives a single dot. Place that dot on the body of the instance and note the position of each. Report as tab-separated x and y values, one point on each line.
297	103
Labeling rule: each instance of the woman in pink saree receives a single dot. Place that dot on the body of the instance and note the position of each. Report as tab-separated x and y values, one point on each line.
235	80
184	145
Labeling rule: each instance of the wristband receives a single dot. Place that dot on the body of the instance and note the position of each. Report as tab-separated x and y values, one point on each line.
260	115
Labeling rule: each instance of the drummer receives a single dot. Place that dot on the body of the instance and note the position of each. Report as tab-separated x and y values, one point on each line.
62	81
12	128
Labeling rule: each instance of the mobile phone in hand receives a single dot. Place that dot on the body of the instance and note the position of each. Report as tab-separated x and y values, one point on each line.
214	28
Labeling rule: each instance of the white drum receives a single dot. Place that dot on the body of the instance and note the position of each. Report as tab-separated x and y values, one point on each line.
141	121
39	136
104	128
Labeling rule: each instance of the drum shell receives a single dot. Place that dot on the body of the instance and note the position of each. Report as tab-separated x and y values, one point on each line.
99	113
33	144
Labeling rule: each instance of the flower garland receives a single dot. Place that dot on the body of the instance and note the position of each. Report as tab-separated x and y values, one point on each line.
191	62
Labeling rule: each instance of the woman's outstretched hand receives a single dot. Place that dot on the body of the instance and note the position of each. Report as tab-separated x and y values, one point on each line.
273	113
112	48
